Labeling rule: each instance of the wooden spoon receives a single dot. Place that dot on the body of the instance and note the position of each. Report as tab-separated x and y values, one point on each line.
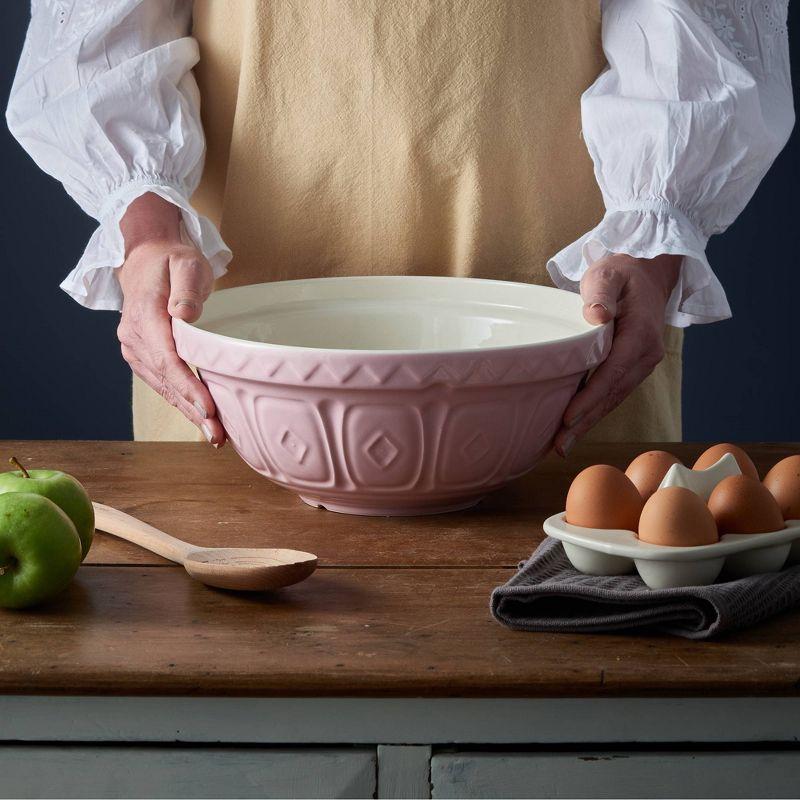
243	568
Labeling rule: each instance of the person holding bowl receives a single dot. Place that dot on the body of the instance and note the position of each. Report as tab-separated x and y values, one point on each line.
594	145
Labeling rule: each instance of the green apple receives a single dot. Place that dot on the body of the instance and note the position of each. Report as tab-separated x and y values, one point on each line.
40	550
62	489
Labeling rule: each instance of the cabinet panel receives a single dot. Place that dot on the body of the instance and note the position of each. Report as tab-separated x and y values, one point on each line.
404	772
616	774
79	771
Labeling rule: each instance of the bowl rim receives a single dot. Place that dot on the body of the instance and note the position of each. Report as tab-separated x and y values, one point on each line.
595	331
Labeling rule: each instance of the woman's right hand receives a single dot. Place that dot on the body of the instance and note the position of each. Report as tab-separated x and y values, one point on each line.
163	277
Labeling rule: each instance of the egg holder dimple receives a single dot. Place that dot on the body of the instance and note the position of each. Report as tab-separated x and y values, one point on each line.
596	551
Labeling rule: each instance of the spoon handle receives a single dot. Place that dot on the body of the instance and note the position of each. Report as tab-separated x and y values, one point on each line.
134	530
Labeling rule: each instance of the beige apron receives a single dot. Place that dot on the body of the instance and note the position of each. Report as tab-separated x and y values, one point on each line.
428	137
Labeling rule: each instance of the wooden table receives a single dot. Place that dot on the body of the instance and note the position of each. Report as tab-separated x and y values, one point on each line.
383	672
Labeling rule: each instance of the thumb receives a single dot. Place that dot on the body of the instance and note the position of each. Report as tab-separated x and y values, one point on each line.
190	282
601	287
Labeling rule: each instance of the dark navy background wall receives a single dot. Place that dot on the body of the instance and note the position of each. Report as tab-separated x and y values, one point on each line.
61	375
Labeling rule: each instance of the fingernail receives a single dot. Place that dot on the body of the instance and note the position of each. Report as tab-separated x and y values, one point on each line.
200	410
566	445
189	303
216	446
207	432
597	307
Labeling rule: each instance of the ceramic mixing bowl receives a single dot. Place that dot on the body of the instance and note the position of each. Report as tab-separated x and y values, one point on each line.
392	395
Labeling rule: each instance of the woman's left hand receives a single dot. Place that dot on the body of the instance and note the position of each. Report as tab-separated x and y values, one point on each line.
634	293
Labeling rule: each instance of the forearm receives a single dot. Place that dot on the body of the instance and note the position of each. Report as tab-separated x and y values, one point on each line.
150	218
104	100
682	127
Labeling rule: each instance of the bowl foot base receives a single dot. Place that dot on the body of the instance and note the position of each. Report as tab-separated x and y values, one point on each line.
390	510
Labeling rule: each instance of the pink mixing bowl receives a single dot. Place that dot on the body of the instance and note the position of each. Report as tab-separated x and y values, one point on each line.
392	395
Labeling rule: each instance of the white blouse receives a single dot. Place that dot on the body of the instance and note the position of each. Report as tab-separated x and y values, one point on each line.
695	105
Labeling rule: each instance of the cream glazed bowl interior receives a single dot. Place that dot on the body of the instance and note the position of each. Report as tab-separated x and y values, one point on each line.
392	395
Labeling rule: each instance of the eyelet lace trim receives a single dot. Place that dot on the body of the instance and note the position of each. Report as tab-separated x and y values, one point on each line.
754	30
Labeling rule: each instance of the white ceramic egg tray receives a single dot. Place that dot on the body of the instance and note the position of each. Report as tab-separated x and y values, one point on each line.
596	551
609	552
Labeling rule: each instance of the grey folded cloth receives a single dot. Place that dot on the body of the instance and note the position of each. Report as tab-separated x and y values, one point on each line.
549	594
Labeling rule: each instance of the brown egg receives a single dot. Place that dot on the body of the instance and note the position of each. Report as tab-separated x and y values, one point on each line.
741	504
648	470
603	497
677	517
715	453
783	483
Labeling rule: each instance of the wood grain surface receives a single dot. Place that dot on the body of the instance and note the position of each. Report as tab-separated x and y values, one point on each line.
212	498
355	632
399	607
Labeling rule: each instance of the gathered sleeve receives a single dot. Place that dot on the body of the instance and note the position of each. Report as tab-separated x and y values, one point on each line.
104	100
694	107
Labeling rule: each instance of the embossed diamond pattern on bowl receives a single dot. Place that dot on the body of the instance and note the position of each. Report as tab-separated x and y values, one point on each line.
456	386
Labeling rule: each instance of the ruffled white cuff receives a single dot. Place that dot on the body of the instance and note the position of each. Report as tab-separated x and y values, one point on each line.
647	230
93	283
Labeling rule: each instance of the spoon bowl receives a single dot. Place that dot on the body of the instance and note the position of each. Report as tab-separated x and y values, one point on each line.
249	569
